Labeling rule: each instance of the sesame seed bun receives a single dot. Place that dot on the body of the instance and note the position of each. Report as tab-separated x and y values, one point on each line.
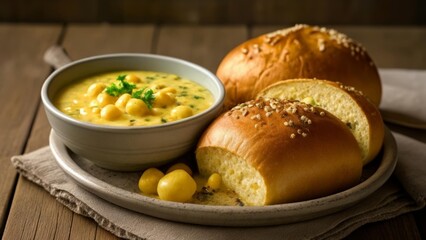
301	51
361	116
279	151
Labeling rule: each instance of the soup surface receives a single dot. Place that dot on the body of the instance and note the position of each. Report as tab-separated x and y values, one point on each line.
133	98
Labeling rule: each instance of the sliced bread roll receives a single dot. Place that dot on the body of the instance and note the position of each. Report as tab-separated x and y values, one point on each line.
360	115
278	151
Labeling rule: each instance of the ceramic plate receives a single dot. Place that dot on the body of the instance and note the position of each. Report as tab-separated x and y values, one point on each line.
120	188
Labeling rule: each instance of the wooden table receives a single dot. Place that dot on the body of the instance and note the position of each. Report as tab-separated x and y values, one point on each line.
29	212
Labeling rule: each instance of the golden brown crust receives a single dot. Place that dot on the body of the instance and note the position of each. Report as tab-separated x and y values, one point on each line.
298	52
301	152
371	112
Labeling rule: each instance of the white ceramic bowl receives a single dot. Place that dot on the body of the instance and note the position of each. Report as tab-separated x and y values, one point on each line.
130	148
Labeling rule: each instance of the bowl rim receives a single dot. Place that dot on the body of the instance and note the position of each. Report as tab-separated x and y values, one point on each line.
48	104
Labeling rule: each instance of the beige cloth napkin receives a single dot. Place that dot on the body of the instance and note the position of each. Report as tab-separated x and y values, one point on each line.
404	96
404	192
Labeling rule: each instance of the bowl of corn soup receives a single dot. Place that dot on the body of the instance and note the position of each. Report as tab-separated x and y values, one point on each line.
128	112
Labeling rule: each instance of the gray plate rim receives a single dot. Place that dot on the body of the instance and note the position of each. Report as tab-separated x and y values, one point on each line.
229	215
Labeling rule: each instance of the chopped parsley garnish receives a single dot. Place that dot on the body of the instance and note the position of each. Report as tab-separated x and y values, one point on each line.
121	88
146	95
121	77
198	97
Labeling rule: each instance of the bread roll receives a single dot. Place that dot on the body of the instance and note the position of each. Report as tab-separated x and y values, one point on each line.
272	151
301	51
360	115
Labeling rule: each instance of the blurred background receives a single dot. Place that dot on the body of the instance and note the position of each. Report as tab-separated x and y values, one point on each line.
201	31
324	12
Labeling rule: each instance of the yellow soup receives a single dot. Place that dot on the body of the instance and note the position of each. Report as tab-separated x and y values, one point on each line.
133	98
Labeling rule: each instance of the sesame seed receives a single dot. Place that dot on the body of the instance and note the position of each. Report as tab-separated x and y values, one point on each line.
267	39
340	38
291	109
274	41
345	44
277	35
267	108
256	48
244	50
284	108
321	45
322	113
257	116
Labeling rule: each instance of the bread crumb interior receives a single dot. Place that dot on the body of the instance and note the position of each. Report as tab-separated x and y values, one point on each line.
236	173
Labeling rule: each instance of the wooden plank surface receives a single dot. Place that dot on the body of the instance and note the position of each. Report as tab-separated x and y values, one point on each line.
22	73
82	41
26	214
216	11
205	46
7	186
34	214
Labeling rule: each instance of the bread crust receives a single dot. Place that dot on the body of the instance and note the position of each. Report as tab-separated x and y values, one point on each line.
299	158
371	113
301	51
